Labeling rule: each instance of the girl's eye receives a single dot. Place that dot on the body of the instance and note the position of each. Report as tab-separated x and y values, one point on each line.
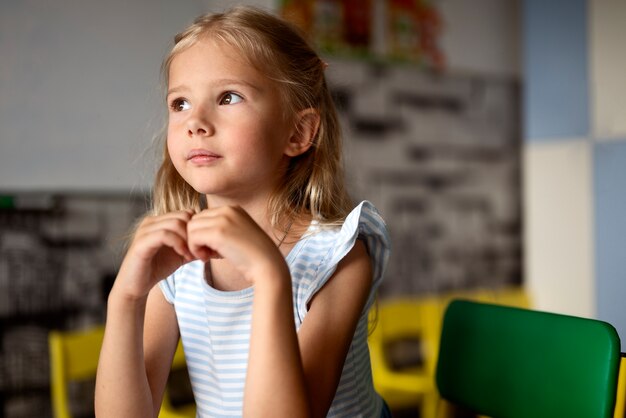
178	105
230	98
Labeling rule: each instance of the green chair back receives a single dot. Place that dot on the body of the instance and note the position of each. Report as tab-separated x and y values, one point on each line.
507	362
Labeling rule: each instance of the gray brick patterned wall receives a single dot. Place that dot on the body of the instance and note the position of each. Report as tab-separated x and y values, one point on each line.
58	257
438	155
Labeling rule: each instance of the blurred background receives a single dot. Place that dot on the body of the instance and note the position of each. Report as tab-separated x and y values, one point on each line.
490	134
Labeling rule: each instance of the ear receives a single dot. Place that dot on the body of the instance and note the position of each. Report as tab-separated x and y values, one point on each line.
306	124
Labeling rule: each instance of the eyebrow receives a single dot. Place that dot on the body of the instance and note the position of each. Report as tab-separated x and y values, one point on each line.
220	82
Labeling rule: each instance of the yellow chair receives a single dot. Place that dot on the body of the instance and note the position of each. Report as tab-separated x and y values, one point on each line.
74	358
620	401
508	296
408	322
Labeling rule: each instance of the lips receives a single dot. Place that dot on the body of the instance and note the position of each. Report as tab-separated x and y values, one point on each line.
201	156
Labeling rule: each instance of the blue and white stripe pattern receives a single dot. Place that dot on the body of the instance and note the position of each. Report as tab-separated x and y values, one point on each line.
215	325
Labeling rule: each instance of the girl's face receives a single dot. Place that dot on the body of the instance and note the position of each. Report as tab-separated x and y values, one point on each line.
226	135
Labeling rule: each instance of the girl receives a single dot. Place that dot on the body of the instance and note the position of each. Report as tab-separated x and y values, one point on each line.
252	230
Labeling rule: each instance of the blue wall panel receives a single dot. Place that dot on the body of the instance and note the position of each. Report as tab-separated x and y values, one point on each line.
610	233
556	102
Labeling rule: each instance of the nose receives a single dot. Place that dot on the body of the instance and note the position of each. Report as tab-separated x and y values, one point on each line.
198	125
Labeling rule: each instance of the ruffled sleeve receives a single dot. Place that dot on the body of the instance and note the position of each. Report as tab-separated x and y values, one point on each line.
168	287
324	251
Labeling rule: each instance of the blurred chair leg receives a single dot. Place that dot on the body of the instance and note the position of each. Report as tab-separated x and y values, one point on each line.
430	403
620	399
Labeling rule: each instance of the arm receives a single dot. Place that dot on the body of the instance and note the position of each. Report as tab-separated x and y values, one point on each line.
324	348
275	382
121	362
141	332
137	351
298	375
160	339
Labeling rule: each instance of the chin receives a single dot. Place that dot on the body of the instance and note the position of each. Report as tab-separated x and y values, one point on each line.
205	188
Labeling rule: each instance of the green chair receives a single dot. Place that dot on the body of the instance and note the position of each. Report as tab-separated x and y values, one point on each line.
508	362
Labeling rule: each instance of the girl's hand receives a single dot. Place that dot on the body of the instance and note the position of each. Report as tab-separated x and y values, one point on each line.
229	232
158	248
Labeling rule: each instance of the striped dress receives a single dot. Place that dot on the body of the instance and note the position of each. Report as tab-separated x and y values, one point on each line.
215	325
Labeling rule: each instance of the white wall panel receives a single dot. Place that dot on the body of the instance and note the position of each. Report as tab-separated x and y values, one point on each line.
558	226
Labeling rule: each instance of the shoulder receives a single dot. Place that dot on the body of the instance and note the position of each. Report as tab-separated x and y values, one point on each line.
355	267
361	241
363	224
346	290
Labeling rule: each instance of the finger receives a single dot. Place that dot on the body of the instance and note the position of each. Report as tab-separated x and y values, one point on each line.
198	225
202	237
214	254
226	216
211	226
166	238
205	214
184	215
199	248
149	223
173	224
205	253
228	211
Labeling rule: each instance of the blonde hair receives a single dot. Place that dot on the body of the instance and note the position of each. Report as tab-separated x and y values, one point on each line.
314	182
